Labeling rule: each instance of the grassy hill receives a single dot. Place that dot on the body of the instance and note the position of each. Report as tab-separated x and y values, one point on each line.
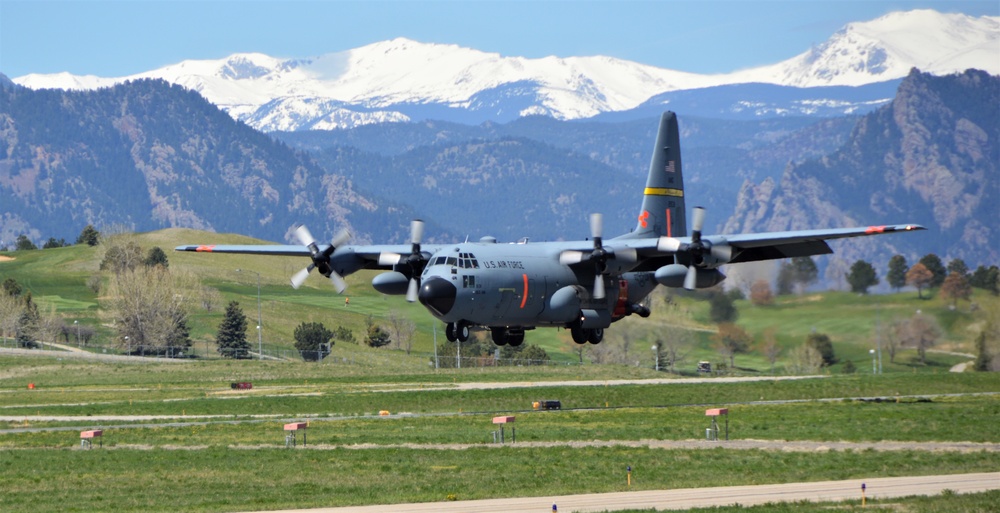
58	280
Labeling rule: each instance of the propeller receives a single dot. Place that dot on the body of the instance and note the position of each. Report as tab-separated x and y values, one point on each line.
415	259
320	259
696	250
599	255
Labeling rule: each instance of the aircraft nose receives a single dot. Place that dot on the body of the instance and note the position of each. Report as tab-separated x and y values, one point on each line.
438	295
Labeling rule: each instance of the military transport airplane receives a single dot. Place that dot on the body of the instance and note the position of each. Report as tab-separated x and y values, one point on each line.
580	285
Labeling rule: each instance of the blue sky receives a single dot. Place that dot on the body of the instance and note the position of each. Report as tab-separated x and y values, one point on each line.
116	38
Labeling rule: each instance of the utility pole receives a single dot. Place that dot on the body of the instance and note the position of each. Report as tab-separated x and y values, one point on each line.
436	364
260	340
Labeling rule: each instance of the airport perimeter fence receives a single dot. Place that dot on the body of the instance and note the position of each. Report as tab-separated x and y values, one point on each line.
203	350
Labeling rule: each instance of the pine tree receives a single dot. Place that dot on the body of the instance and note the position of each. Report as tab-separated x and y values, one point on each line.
983	357
862	277
722	309
933	264
376	335
26	330
821	342
897	272
24	244
232	336
155	257
313	341
88	236
805	271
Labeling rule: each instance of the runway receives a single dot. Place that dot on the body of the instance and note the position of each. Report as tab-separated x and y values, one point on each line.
877	488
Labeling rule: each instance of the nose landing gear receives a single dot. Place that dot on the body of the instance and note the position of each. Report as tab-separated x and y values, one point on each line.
457	331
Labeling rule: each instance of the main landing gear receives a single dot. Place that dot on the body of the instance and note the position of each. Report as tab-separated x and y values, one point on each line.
456	331
583	335
503	336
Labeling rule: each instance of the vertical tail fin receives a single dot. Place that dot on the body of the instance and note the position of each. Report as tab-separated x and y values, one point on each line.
663	212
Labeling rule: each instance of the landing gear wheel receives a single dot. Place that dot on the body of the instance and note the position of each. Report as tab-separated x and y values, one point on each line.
579	334
500	336
515	339
449	332
462	331
595	336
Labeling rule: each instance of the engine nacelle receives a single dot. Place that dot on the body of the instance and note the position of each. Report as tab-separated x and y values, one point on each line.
392	283
563	305
673	276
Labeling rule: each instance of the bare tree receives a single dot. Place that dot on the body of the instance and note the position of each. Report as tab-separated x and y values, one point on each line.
731	340
675	347
760	293
10	312
401	329
618	343
890	337
210	298
956	286
922	332
920	277
121	252
769	346
50	325
145	304
805	359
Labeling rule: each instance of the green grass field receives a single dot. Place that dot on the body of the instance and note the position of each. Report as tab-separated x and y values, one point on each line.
238	462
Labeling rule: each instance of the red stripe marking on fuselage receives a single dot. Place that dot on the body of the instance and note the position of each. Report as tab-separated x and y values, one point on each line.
524	298
668	224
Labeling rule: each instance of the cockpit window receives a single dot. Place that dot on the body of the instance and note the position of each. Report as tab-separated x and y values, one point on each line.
467	261
452	261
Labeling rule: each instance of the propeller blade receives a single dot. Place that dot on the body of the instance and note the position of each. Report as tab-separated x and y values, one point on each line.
300	277
698	219
338	282
303	236
599	287
411	290
343	236
389	258
691	278
571	257
596	225
416	231
668	245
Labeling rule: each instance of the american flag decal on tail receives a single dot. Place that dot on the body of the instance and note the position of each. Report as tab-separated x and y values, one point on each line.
670	166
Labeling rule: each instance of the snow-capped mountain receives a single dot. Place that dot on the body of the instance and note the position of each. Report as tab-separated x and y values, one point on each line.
887	48
401	79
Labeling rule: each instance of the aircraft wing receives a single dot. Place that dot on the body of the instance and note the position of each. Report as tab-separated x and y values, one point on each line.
249	249
751	247
351	258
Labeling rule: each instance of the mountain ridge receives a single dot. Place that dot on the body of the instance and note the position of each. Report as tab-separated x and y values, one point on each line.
403	80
